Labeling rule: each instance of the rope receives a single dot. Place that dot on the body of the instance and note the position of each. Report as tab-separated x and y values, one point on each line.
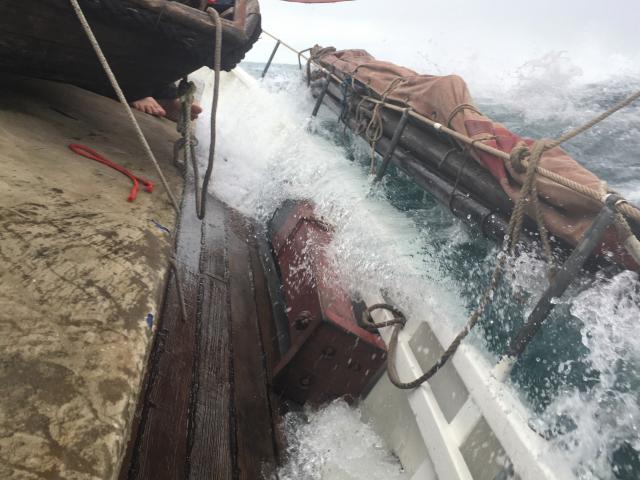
213	14
186	90
466	155
591	123
529	195
509	245
347	96
91	154
446	156
116	86
375	128
114	82
524	160
625	208
461	108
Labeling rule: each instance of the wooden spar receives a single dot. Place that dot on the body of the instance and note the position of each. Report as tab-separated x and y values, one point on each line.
273	54
316	108
473	200
397	134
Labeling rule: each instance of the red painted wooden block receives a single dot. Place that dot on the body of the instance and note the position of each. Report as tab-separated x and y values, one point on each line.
330	355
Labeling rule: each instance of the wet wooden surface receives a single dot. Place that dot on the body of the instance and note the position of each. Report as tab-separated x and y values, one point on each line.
81	271
207	411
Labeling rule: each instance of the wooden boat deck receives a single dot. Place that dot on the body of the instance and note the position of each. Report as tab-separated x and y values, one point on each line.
207	410
83	277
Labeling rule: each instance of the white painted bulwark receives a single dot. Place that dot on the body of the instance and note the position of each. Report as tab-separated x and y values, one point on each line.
487	433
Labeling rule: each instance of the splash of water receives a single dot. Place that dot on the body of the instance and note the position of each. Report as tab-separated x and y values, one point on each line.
396	238
334	443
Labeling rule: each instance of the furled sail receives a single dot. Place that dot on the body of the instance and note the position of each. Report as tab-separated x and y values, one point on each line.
446	99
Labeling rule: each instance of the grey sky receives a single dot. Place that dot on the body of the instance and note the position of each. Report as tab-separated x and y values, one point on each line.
465	36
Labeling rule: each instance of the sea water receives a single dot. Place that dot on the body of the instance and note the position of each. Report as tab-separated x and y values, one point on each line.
579	378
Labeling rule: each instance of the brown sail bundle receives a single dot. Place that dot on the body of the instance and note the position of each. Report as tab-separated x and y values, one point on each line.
446	99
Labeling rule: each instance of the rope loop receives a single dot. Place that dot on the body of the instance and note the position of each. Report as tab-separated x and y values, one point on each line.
460	108
537	150
367	320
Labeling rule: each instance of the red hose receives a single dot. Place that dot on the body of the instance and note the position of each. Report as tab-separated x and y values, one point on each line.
93	155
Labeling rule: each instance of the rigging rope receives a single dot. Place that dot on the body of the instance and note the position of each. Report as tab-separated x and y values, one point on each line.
186	91
213	14
624	207
116	86
375	128
512	237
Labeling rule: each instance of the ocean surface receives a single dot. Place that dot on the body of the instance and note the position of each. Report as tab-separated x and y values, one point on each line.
580	377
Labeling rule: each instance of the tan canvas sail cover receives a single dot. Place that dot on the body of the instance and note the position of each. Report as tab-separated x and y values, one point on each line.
446	99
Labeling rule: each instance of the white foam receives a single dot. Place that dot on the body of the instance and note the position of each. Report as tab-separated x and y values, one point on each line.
335	444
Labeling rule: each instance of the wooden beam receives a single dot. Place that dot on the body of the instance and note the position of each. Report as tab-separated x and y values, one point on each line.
193	18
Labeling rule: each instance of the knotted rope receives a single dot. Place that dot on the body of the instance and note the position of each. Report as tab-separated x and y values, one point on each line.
375	128
594	121
529	196
186	92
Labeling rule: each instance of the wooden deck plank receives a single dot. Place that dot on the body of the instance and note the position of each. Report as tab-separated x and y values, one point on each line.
211	435
211	454
207	411
254	432
269	338
162	440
